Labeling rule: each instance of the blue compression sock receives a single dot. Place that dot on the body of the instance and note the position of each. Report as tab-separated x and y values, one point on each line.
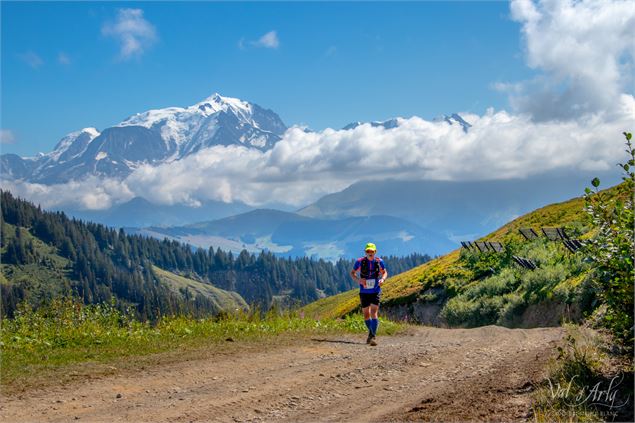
374	324
368	325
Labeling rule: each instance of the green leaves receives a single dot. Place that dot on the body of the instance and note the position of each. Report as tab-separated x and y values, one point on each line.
612	250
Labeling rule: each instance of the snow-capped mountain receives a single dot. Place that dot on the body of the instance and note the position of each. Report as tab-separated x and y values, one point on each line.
217	120
156	136
386	124
453	119
456	119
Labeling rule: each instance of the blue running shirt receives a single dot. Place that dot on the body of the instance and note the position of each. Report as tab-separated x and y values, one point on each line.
375	289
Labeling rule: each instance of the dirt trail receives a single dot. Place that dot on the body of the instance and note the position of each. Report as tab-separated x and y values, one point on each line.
427	374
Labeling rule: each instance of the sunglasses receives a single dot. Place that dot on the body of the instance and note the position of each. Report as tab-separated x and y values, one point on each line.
370	252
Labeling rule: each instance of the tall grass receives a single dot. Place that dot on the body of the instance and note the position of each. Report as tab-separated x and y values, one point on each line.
576	369
66	332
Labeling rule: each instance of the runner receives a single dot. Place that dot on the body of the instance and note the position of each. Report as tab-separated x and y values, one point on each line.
372	274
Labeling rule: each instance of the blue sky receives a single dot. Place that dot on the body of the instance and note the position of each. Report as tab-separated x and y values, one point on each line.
333	63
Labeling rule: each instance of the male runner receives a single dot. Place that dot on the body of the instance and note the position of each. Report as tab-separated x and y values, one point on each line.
372	274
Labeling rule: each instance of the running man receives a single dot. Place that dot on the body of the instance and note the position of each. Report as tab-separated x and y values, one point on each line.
372	274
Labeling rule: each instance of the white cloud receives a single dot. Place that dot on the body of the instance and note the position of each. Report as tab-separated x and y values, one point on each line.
584	51
63	58
304	166
91	193
269	40
7	136
133	32
32	59
569	118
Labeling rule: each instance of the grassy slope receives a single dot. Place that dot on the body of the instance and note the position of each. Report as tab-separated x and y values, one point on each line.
44	280
405	286
223	300
50	278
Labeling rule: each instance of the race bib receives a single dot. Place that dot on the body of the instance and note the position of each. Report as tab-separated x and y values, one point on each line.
370	284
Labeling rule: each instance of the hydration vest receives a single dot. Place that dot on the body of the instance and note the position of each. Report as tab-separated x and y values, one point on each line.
365	272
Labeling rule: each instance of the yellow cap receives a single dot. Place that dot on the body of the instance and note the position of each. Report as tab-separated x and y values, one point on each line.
370	246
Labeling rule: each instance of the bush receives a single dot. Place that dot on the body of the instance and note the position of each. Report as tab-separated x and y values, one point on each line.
538	284
612	250
461	311
562	397
514	305
485	264
499	284
546	253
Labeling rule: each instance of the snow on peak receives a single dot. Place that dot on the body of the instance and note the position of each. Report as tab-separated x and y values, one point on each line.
211	105
217	102
86	135
91	131
177	124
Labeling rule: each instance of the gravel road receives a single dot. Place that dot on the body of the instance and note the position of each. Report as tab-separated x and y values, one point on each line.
425	374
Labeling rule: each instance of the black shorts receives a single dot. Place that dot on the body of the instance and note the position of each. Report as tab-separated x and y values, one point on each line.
368	299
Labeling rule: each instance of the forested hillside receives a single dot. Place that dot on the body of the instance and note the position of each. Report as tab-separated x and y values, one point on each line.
46	254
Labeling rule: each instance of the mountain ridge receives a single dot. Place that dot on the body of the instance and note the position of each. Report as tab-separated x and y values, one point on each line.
288	233
152	137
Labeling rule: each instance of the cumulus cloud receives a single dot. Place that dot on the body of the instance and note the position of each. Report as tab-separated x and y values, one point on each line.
7	136
304	166
584	52
32	59
569	118
269	40
91	193
133	32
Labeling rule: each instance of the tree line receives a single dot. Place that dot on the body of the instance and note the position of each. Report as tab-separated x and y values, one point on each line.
106	264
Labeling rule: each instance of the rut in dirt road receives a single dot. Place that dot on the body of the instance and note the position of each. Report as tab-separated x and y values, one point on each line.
426	374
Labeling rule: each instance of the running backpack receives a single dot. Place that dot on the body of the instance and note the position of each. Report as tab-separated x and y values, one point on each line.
365	269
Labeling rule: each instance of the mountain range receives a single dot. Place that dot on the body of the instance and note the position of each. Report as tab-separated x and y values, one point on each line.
152	137
291	234
458	210
413	216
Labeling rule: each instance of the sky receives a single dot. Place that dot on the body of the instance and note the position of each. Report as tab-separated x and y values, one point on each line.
547	86
69	66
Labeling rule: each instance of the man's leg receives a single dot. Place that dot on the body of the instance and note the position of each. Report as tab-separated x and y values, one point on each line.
367	321
374	318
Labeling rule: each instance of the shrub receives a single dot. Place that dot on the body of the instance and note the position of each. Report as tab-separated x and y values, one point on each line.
576	369
612	250
538	283
514	305
459	311
484	264
462	311
499	284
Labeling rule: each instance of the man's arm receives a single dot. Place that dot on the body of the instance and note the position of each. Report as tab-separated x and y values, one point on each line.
384	276
354	275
